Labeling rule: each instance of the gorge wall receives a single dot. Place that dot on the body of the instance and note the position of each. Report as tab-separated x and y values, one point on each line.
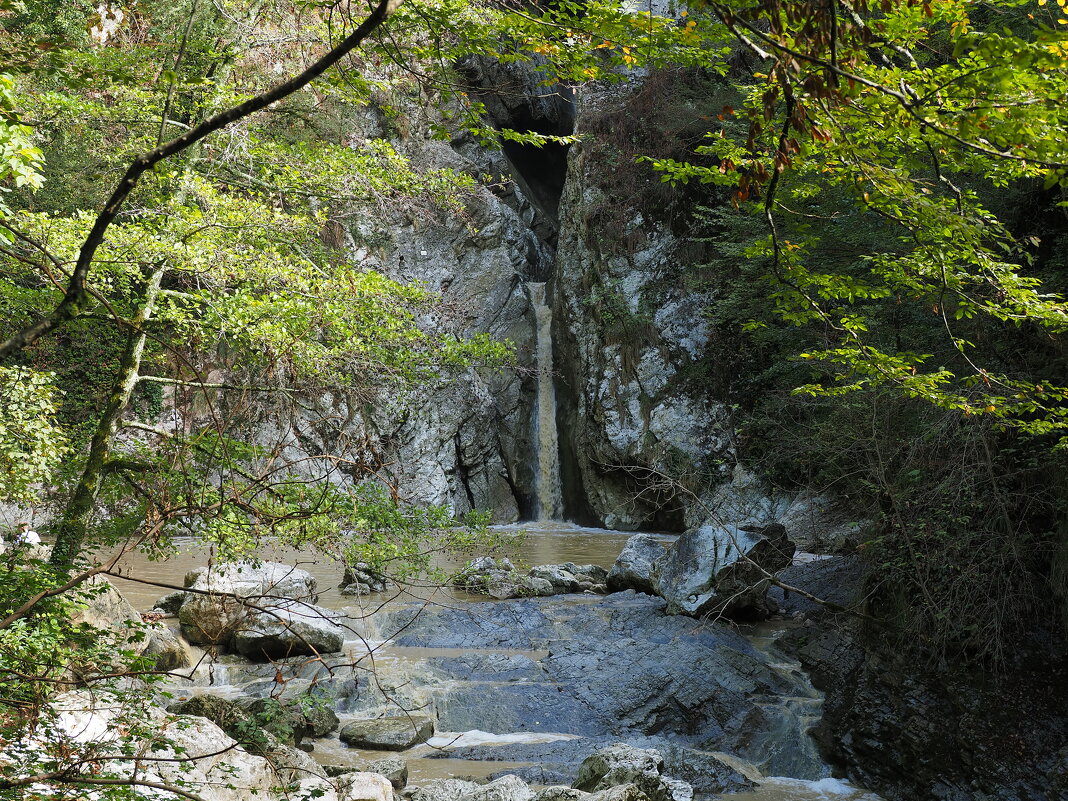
642	433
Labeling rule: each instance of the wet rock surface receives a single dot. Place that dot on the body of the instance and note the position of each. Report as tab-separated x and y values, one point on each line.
836	580
617	666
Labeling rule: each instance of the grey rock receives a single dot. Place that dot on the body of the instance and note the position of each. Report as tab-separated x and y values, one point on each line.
393	768
287	628
499	579
559	761
711	569
388	734
479	667
280	720
633	568
677	789
505	788
443	790
236	589
367	579
642	768
702	771
191	757
317	715
357	588
617	667
244	727
225	713
837	580
619	764
561	793
623	792
625	409
569	577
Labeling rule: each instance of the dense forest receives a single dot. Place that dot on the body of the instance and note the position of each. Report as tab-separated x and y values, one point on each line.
267	276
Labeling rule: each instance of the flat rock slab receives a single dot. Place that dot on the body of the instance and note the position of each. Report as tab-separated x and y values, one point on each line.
388	734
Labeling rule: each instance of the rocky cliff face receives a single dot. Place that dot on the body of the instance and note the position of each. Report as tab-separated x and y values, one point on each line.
628	331
464	441
640	425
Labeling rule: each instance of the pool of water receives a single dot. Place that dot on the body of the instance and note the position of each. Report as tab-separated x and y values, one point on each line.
544	543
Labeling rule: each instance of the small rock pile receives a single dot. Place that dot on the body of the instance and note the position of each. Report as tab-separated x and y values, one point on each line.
499	578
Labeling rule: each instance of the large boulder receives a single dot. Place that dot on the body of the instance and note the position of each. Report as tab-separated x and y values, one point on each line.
722	569
193	753
252	728
633	568
226	594
388	734
288	628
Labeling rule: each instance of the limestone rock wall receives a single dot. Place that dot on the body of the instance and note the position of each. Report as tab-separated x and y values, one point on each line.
464	442
627	330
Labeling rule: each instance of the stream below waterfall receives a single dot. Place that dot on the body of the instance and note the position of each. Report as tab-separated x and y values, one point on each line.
458	660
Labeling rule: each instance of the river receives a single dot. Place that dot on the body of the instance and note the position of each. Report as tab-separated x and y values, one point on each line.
545	543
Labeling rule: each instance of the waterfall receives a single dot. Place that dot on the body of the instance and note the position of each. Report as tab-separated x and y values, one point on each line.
547	476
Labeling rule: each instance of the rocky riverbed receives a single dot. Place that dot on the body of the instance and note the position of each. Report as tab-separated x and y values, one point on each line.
520	692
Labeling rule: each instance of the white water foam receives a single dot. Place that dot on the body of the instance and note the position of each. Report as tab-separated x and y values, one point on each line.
779	788
462	739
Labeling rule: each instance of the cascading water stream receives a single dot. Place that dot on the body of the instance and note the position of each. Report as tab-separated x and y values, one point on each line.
547	481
